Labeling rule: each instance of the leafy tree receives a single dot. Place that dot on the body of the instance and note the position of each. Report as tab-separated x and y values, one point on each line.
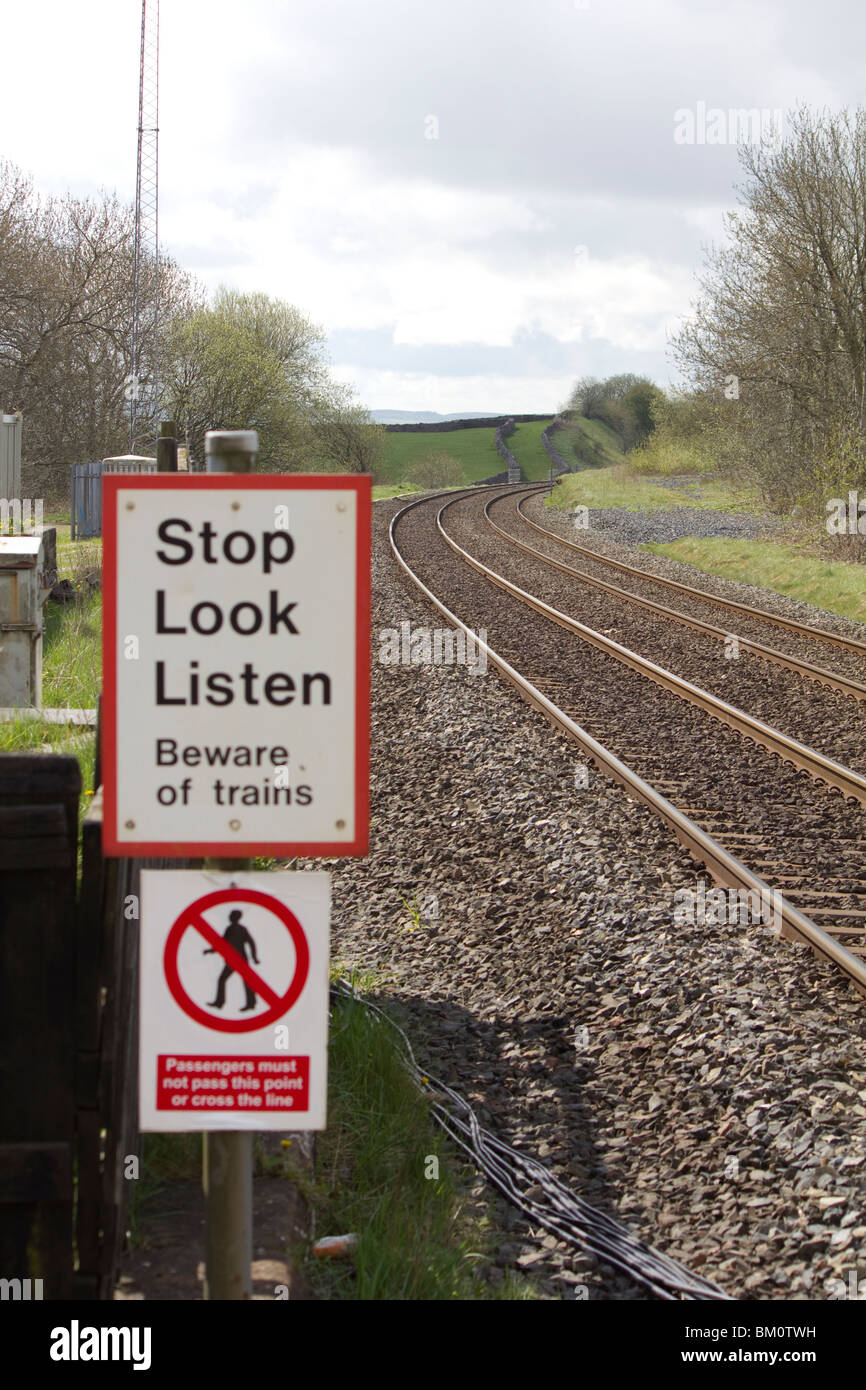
623	403
639	402
242	361
247	361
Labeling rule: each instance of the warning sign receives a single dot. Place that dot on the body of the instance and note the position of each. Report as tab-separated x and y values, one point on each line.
236	660
234	1000
232	949
230	1083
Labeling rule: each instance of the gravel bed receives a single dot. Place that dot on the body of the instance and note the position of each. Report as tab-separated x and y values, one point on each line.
605	543
821	718
704	1083
760	808
662	527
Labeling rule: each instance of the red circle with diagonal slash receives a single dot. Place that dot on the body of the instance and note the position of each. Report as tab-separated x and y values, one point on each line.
191	917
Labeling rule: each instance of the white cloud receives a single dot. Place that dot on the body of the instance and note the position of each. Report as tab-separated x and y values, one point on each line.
448	395
294	158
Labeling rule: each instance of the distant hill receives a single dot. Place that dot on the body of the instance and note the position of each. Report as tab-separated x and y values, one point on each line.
425	417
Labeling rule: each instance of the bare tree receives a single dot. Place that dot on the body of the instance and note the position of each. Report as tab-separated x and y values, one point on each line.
779	332
65	317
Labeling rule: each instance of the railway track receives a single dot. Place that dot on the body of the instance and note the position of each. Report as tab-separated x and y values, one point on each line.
745	810
693	594
842	684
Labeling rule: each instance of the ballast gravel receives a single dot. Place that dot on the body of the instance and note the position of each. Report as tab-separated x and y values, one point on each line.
664	526
704	1083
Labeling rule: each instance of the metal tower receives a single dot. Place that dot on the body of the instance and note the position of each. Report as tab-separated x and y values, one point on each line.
143	384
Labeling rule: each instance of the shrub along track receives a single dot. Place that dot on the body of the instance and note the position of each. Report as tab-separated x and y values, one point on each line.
702	1082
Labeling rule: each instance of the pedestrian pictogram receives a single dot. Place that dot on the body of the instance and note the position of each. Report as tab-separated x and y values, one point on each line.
231	947
236	936
234	1000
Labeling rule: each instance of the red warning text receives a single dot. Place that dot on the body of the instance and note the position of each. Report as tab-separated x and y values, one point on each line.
232	1083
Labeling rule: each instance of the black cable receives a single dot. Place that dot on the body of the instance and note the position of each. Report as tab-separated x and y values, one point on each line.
559	1211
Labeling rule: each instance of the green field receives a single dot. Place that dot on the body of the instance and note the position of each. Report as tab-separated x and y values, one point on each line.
526	446
473	449
588	444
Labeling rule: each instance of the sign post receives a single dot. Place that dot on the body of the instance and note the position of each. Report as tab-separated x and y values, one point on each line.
236	722
234	1030
227	1159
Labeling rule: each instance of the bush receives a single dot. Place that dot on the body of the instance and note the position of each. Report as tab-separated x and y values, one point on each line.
435	470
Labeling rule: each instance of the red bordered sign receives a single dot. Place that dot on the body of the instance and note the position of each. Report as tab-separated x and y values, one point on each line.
233	999
192	919
236	648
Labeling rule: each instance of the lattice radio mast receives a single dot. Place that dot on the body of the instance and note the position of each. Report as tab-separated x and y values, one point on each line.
143	384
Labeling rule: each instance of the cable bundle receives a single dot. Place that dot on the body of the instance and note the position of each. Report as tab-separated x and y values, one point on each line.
559	1211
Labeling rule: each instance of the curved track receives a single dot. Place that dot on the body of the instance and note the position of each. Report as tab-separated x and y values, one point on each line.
814	634
759	826
843	685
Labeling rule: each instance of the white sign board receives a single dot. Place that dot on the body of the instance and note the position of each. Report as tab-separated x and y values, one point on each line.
233	1000
236	664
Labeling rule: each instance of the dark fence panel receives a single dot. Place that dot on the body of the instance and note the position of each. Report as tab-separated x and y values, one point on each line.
86	493
38	842
68	1033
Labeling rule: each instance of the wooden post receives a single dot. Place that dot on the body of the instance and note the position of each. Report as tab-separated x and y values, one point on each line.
227	1157
166	448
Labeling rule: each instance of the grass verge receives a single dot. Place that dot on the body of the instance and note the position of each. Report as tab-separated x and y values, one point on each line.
835	586
71	671
72	653
526	446
383	490
383	1171
387	1172
588	444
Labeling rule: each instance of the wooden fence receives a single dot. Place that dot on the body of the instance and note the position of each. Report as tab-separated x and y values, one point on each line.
68	1033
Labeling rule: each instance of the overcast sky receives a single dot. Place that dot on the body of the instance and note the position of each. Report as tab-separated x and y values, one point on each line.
478	200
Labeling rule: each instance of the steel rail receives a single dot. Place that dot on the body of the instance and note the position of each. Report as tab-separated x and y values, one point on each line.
818	634
722	866
844	779
852	689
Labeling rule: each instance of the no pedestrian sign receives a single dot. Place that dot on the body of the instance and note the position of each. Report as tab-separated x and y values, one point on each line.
234	1000
236	664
